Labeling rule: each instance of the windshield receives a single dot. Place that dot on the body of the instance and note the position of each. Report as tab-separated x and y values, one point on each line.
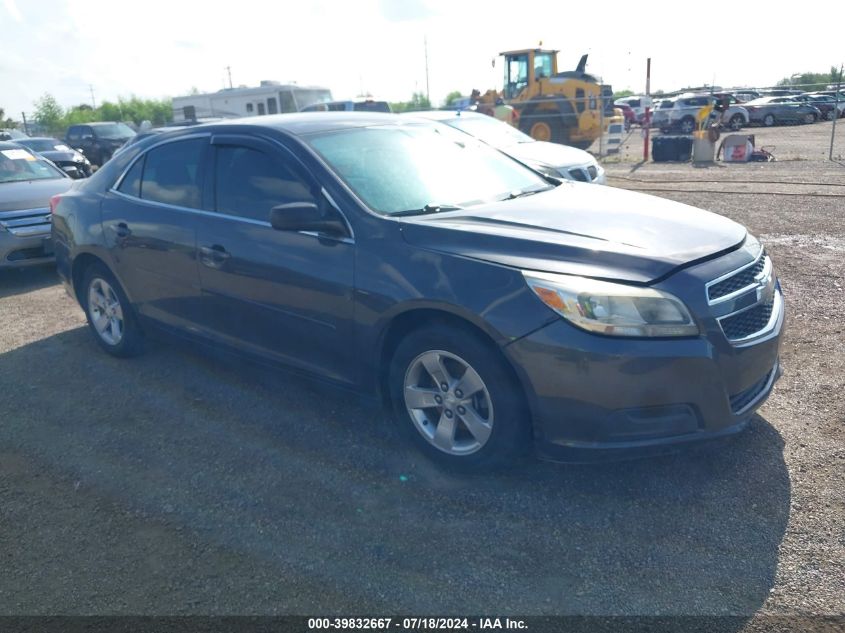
490	130
44	145
17	165
114	131
665	105
401	168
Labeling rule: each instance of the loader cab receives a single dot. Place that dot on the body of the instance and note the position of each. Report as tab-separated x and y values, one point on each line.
523	68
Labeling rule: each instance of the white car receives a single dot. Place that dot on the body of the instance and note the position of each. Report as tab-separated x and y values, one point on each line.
638	103
552	159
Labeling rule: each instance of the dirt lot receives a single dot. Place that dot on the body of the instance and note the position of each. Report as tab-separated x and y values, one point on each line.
184	482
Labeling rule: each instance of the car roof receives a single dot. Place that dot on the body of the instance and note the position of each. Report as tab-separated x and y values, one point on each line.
37	138
443	115
299	123
11	145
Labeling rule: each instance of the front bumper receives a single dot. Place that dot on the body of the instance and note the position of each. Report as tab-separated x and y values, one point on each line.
595	397
31	250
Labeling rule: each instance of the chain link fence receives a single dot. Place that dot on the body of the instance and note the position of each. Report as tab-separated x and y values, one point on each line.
799	122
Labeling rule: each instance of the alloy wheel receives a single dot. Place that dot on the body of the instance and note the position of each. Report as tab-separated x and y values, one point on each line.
105	311
448	402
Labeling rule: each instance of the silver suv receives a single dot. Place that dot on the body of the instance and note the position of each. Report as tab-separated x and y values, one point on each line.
679	113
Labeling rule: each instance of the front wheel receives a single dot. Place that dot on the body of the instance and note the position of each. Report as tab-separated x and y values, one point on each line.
110	316
457	400
809	118
769	120
736	122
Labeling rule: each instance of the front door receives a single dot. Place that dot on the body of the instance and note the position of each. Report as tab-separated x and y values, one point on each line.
284	295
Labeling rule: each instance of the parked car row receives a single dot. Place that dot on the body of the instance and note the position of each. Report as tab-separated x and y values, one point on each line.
491	306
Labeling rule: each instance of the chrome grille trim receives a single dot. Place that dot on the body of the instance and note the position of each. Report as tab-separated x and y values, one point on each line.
763	274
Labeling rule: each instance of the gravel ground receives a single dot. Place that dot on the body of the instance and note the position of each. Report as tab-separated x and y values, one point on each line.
185	482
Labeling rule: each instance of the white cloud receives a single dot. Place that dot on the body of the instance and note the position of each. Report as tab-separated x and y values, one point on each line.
12	9
162	48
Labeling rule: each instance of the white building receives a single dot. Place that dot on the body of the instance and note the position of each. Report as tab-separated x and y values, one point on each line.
271	97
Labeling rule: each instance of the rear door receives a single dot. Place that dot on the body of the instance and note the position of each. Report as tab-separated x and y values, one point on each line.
149	223
280	294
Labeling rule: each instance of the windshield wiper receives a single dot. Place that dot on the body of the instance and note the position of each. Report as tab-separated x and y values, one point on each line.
528	192
428	209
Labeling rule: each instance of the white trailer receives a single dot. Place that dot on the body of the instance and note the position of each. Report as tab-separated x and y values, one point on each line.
271	97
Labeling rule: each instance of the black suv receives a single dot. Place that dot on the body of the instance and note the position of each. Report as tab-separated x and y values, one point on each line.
98	141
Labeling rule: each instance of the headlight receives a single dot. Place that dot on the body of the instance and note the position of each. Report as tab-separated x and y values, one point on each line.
547	171
613	309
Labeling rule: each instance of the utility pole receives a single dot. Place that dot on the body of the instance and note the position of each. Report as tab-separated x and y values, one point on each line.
229	71
25	126
835	112
647	117
93	103
425	46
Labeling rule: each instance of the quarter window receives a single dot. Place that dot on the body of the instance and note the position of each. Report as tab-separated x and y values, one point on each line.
172	174
250	183
249	108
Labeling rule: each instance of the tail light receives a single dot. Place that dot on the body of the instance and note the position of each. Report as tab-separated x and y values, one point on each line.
54	202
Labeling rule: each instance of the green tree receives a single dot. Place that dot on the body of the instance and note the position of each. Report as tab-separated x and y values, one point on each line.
418	102
49	114
812	81
4	120
452	97
622	94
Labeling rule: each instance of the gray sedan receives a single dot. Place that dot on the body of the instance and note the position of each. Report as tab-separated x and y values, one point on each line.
27	184
770	111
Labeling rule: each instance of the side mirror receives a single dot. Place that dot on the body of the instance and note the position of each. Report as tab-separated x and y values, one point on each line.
305	216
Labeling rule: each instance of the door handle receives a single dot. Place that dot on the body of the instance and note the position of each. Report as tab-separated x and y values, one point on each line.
121	230
214	256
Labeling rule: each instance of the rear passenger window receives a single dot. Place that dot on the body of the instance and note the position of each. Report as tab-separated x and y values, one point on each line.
172	173
250	183
131	183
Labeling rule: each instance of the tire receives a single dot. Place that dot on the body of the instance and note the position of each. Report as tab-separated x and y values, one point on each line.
546	128
480	432
109	313
828	116
809	118
769	120
736	122
687	125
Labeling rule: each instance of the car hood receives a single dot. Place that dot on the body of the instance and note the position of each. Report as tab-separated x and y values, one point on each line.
31	194
548	154
581	229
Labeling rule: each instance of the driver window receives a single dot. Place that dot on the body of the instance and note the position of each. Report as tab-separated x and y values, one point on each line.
516	75
250	183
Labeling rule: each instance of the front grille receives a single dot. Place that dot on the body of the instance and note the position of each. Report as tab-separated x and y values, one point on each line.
748	322
592	171
747	396
578	174
26	223
742	279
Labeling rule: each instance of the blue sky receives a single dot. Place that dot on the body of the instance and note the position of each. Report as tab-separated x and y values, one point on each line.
376	46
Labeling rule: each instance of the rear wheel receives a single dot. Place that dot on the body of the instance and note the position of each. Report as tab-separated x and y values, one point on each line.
109	313
769	120
687	125
457	400
828	116
809	118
